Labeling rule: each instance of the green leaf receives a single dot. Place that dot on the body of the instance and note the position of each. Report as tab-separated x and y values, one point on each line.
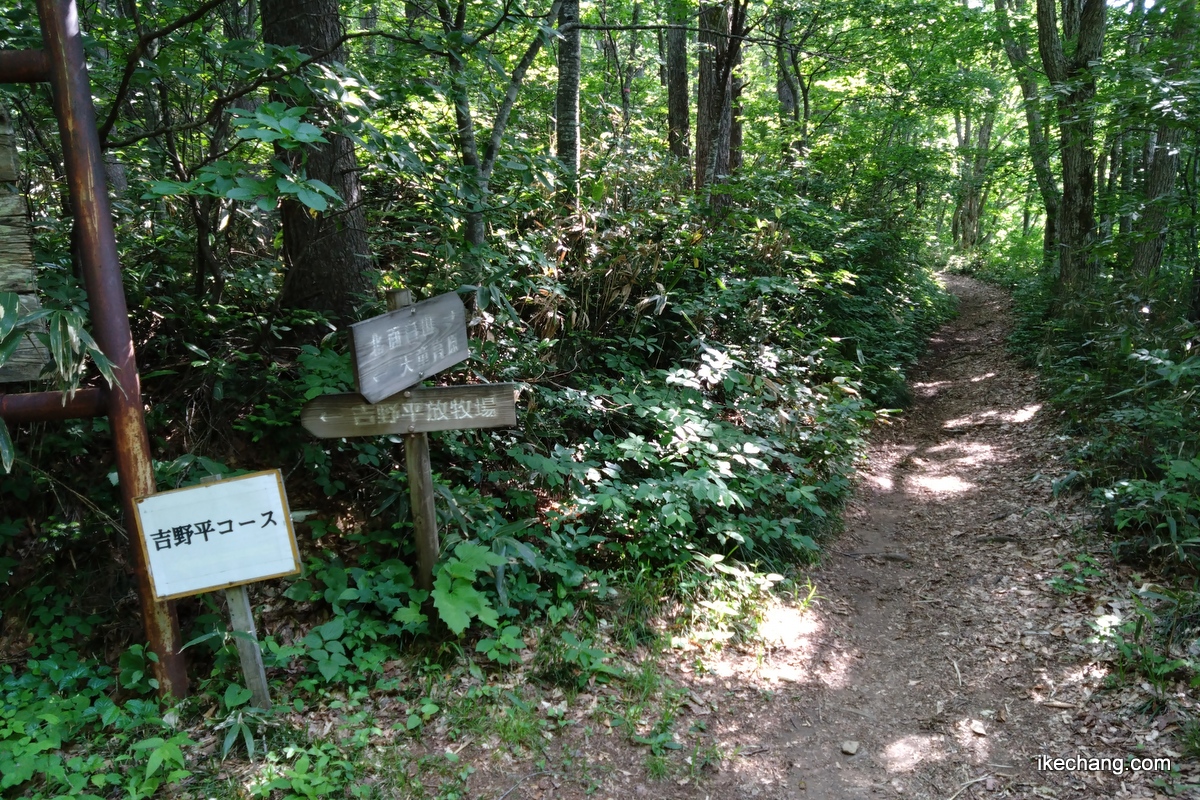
156	759
311	199
7	453
477	557
449	604
236	695
333	629
10	309
230	738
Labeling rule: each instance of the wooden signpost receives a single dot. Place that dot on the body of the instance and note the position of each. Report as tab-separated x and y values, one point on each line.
407	345
428	337
222	534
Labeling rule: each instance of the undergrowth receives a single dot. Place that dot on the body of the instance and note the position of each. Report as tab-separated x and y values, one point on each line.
694	400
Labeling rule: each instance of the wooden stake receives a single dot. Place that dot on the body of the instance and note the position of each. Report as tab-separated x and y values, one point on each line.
241	615
420	484
241	619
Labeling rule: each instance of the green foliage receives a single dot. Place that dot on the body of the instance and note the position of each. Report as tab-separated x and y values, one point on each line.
1076	575
306	773
136	665
1146	648
454	595
61	733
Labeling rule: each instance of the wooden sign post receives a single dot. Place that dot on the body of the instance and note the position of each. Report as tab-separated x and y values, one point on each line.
428	337
222	534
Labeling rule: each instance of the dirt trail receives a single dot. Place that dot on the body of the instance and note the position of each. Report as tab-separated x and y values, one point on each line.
938	661
939	653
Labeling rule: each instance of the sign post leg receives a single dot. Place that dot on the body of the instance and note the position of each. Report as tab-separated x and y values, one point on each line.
420	482
241	619
241	615
420	488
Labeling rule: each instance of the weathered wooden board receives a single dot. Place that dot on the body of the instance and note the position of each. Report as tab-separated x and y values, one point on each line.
8	148
16	250
16	260
404	347
416	410
26	362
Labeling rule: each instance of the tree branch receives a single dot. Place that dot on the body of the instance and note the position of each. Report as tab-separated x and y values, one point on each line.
135	57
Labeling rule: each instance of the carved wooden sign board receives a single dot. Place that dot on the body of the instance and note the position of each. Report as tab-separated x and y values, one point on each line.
16	259
404	347
416	410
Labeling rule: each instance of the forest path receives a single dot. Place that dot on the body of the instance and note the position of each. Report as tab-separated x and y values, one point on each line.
939	658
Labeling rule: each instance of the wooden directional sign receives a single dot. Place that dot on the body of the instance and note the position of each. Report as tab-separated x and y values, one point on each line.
217	535
402	348
417	410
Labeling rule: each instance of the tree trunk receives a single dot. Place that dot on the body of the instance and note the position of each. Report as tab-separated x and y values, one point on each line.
627	75
712	149
478	165
678	99
326	254
1083	25
1162	157
1016	47
973	172
567	99
735	118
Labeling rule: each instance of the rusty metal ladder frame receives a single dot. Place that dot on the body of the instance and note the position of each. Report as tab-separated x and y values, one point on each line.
61	62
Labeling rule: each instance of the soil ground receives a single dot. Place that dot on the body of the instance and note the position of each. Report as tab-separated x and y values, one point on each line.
947	648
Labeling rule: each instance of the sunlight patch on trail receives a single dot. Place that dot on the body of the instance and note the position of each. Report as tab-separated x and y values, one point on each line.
973	453
907	752
970	741
1017	417
1025	414
942	484
790	627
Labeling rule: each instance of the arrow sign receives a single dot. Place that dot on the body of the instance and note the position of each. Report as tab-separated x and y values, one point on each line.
404	347
416	410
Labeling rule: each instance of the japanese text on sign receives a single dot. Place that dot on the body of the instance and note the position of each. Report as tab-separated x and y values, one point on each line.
182	535
390	412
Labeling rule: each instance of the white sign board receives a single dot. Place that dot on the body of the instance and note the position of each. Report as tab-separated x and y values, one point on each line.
217	535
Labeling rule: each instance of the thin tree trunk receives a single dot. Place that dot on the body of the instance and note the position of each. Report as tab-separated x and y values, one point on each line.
1016	47
567	144
479	166
678	99
712	150
1150	229
1083	25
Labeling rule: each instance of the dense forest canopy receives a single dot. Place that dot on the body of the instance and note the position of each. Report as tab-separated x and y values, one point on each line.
702	237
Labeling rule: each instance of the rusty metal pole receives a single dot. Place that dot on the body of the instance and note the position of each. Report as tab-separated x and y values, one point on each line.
24	66
43	406
110	316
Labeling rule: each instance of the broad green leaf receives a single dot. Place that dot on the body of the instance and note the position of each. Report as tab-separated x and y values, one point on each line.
236	695
10	310
311	199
